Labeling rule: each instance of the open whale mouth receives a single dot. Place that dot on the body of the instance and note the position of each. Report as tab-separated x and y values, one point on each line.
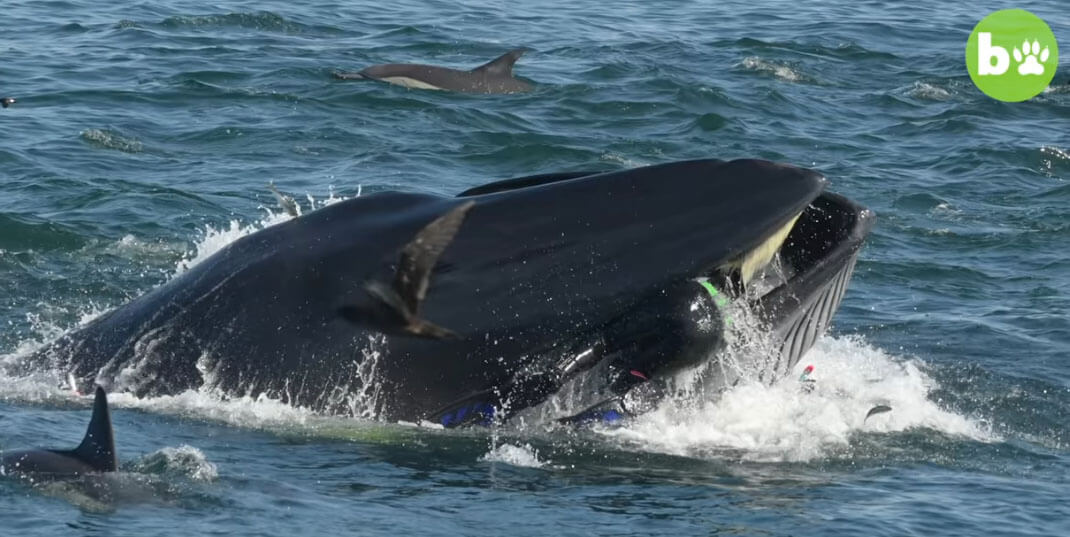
798	276
794	281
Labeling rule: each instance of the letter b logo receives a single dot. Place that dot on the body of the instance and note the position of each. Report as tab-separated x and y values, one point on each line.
986	52
1011	55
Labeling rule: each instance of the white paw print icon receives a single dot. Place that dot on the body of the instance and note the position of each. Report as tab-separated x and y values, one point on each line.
1030	65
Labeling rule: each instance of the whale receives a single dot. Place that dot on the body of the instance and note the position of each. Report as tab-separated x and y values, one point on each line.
94	455
495	76
580	289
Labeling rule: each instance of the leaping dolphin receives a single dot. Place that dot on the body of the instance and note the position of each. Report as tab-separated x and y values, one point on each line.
409	306
495	76
95	454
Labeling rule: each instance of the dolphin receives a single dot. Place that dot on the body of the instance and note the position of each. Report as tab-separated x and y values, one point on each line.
578	289
495	76
96	453
7	101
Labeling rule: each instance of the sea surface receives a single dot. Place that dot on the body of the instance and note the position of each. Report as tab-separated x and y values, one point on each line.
145	134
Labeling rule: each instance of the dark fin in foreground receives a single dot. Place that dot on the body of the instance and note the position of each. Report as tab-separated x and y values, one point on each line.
7	101
879	409
413	275
98	447
502	65
421	254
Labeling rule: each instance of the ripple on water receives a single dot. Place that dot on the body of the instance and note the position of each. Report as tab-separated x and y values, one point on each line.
261	21
112	139
779	69
929	91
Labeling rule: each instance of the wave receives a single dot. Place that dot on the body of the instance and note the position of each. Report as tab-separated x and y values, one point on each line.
523	455
777	68
23	232
261	21
929	91
112	139
845	51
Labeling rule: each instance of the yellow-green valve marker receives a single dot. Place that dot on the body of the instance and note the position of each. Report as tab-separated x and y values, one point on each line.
718	297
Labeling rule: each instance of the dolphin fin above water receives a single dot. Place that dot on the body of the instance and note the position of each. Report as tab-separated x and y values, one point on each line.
285	202
95	454
413	275
495	76
98	446
502	65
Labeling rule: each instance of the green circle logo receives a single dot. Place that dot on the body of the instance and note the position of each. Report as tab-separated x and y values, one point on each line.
1012	55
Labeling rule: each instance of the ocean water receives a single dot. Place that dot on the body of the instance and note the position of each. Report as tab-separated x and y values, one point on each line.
144	136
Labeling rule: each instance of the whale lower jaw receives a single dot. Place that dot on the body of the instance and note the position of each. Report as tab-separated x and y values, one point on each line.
795	282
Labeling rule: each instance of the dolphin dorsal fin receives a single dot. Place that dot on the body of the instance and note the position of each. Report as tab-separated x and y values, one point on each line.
98	447
502	65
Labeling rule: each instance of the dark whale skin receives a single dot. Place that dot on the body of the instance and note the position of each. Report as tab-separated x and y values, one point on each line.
542	269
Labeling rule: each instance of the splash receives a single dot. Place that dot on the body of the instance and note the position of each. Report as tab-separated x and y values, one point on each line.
929	92
45	386
110	139
261	412
185	461
780	70
616	158
787	422
517	455
215	239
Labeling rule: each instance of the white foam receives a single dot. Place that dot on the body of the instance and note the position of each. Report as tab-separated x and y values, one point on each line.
44	330
250	412
517	455
779	70
51	386
111	139
184	459
215	239
784	422
927	91
617	158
